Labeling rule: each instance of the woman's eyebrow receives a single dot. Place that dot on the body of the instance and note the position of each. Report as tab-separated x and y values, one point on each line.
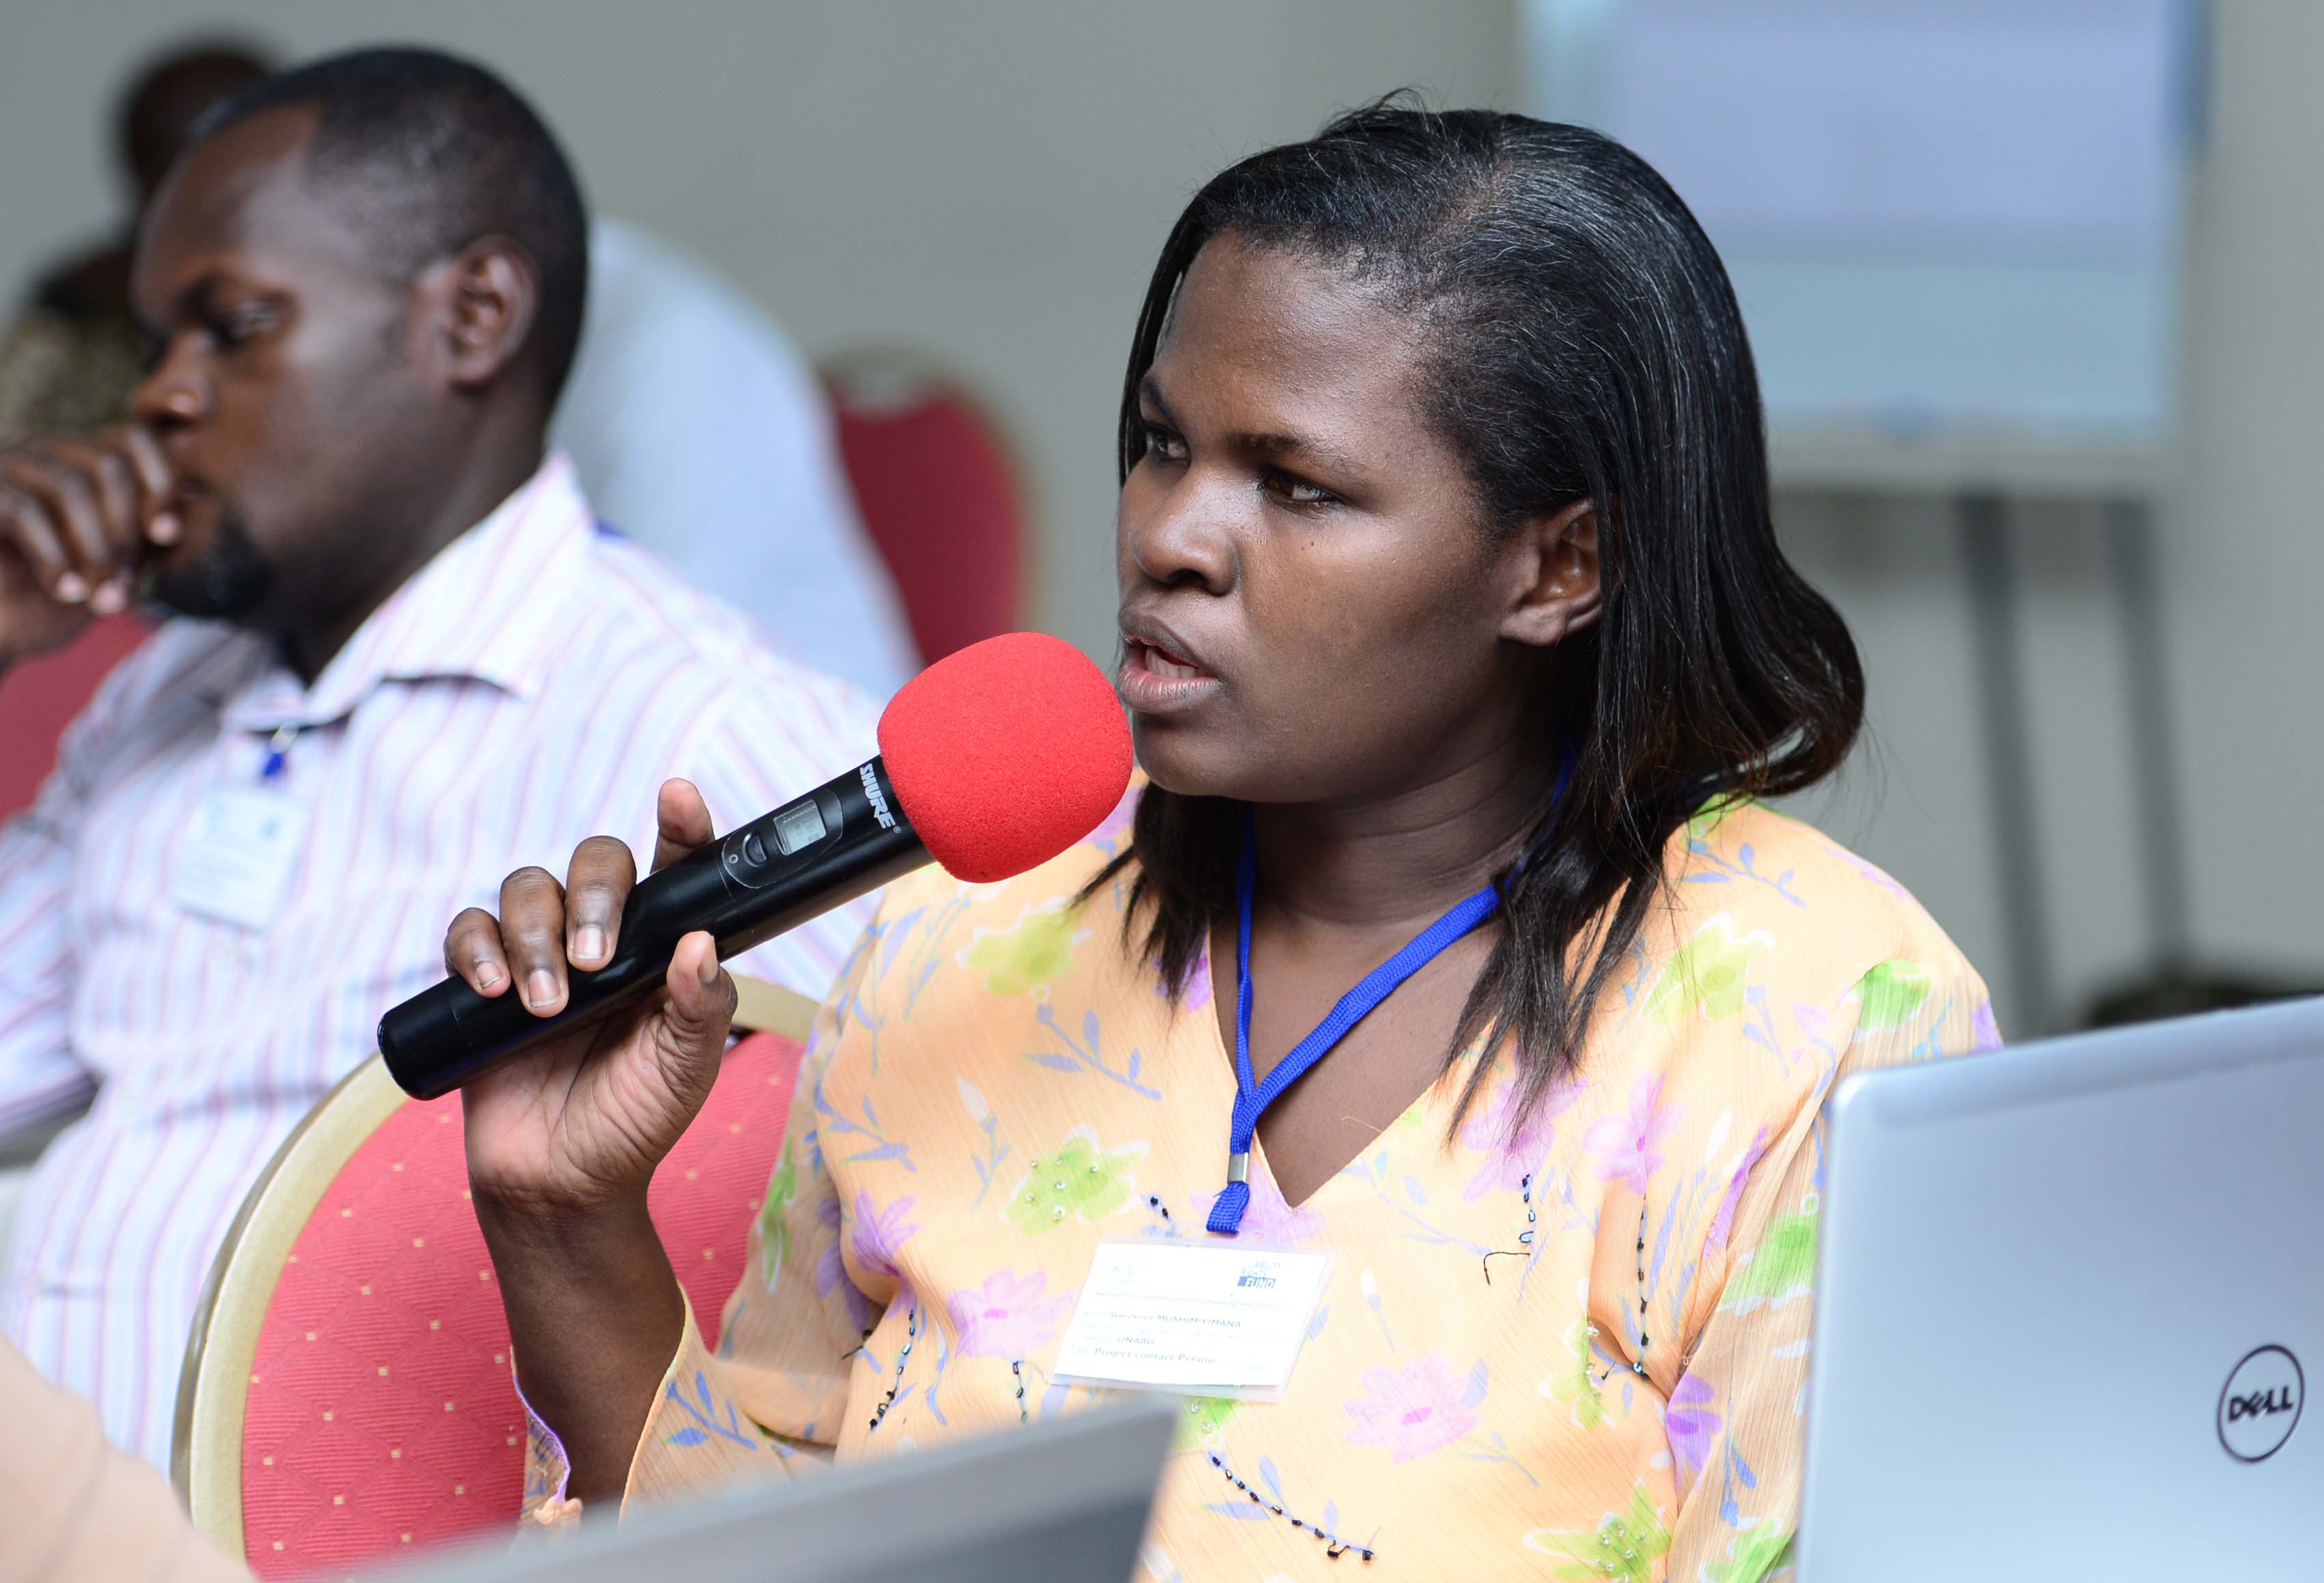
1272	445
1294	447
1150	394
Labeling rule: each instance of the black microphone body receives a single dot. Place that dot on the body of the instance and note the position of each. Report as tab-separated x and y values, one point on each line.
845	838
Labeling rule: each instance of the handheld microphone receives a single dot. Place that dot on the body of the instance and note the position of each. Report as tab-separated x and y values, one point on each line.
993	761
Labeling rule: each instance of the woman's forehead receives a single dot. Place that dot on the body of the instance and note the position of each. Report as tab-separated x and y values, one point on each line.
1271	330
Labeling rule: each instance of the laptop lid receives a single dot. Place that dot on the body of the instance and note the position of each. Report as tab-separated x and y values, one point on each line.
1061	1502
2068	1300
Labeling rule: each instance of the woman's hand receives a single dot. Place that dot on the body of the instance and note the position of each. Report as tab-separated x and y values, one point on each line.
579	1125
563	1142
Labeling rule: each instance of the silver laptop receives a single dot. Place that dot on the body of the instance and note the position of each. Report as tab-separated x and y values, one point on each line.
2067	1300
1062	1502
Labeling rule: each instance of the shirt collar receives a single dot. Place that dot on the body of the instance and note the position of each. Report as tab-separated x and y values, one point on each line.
486	607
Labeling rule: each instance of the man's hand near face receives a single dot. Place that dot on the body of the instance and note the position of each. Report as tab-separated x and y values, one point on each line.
78	515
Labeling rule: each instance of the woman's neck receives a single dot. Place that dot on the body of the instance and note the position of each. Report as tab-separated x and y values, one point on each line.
1405	855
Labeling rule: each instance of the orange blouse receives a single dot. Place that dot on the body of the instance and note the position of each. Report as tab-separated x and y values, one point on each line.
1577	1351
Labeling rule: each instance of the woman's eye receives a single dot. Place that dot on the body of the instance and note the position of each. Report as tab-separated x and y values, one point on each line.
1164	446
1297	491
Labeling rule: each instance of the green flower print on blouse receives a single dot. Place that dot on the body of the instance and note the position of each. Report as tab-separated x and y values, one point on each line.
1780	1268
1755	1552
1204	1418
1891	992
774	1229
1713	814
1706	973
1076	1180
1624	1546
1572	1383
1031	957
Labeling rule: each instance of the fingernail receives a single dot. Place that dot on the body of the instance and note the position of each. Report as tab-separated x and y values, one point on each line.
488	975
708	972
71	589
163	528
539	988
589	943
108	598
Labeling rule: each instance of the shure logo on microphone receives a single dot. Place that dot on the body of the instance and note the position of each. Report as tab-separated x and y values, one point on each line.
879	802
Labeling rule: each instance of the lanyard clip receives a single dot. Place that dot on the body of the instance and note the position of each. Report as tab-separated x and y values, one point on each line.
1238	1166
278	748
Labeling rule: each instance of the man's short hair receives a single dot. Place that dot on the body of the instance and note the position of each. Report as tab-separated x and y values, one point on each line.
427	154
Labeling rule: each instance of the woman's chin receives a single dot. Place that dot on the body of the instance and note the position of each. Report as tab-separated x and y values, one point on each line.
1180	757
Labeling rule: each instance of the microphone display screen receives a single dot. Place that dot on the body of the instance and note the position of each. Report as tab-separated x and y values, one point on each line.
800	824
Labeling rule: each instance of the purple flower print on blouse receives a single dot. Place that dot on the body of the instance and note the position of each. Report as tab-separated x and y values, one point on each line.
1509	1160
879	1233
1629	1144
1416	1409
831	1270
1723	1221
1985	1032
1692	1427
1008	1317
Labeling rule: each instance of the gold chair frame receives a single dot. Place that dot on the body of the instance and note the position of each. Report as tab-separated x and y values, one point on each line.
206	1449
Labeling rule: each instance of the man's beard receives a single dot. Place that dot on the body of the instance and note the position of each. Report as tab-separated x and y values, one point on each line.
225	582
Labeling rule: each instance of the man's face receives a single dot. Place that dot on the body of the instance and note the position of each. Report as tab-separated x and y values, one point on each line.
284	391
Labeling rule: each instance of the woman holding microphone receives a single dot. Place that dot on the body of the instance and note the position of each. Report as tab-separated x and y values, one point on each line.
1458	650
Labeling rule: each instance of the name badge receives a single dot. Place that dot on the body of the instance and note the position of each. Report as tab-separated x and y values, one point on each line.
1202	1318
236	859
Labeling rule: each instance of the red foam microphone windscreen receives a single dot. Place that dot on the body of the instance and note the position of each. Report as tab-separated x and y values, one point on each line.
1006	753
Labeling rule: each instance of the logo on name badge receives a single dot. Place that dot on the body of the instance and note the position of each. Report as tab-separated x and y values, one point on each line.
2261	1405
1261	1274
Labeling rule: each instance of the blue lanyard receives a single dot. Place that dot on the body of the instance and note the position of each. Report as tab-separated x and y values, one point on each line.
1251	1097
278	752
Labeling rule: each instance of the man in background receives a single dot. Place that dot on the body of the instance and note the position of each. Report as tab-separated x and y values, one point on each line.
695	426
403	657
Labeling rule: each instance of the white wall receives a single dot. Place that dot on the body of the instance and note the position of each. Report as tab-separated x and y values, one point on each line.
989	183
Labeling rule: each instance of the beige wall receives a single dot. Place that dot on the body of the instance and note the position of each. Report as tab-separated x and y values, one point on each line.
989	183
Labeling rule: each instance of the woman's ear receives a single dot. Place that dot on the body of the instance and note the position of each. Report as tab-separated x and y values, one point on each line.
484	302
1554	575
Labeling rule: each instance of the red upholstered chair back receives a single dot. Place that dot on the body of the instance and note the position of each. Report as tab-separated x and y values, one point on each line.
359	1405
40	697
939	497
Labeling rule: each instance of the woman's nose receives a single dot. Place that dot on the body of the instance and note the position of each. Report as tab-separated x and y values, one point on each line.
1180	534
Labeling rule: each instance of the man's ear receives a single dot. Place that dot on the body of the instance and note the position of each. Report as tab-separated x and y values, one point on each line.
482	304
1553	576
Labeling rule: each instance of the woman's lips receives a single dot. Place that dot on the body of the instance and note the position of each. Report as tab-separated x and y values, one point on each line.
1155	682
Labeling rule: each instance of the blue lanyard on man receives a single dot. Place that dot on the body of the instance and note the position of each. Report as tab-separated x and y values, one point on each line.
1252	1097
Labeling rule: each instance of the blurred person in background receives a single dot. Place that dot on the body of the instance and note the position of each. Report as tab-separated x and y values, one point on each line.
699	430
694	423
72	357
1460	651
401	648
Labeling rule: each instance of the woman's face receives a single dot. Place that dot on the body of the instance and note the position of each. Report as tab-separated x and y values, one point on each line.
1311	607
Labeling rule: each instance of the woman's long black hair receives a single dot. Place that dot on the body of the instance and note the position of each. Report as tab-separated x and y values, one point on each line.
1582	344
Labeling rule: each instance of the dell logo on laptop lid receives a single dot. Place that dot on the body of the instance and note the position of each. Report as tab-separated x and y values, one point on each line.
2261	1405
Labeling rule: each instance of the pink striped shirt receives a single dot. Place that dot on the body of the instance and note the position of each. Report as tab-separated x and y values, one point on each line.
533	684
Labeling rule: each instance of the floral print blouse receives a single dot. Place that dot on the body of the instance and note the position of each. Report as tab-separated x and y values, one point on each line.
1577	1352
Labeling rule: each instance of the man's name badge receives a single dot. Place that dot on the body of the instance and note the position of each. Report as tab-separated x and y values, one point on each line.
1202	1318
236	859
